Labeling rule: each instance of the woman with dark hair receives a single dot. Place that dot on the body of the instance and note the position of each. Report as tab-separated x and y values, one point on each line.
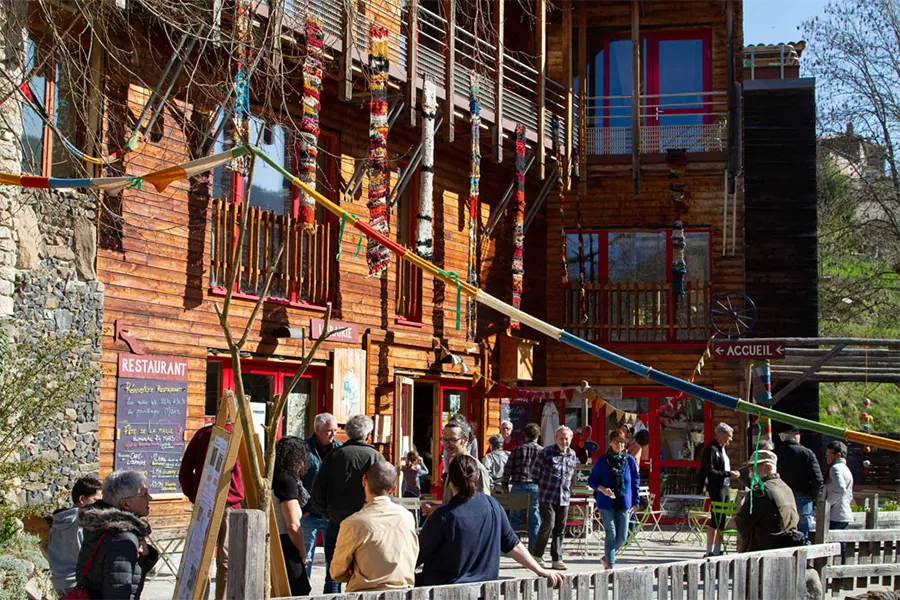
462	540
615	480
291	463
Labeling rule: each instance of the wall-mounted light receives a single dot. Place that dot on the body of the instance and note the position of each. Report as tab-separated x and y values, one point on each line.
294	333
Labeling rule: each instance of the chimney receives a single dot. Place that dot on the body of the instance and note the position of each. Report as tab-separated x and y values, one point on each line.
850	130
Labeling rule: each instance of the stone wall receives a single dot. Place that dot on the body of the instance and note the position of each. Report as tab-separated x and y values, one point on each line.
48	283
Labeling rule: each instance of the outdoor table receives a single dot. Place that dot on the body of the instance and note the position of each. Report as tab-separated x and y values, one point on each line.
684	501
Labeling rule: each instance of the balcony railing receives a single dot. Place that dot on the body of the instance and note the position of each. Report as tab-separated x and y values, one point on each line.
302	275
695	121
637	312
472	55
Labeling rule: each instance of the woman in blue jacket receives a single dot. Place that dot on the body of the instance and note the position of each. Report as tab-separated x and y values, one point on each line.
615	480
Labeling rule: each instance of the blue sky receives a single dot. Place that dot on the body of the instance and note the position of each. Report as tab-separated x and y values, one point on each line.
773	21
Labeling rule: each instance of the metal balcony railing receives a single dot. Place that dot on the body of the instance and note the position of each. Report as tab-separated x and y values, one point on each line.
695	121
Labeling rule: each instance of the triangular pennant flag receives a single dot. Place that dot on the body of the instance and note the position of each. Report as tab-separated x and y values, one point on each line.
557	395
569	393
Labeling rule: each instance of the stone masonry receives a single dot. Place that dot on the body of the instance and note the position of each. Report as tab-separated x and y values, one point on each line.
48	282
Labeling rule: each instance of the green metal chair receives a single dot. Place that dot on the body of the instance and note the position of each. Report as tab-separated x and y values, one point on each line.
727	510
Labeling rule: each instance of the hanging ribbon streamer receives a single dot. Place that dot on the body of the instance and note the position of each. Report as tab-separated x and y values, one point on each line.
762	392
308	139
474	204
679	266
377	256
518	264
340	239
454	277
424	223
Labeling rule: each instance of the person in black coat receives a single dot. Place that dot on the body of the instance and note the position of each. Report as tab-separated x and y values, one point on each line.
800	470
115	528
716	470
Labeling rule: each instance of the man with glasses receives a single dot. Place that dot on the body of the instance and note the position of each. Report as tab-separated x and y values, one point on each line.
455	439
321	443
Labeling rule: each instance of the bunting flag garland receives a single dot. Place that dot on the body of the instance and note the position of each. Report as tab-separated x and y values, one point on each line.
424	223
241	118
161	179
679	267
518	265
474	204
561	193
307	148
377	255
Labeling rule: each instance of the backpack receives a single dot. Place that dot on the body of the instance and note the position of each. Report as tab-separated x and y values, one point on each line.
77	592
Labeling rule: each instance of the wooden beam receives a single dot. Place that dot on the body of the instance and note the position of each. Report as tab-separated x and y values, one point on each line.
499	17
582	79
345	66
636	94
247	553
807	374
449	70
412	59
541	63
567	34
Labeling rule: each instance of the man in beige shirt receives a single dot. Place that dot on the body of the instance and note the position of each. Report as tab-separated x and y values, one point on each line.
377	547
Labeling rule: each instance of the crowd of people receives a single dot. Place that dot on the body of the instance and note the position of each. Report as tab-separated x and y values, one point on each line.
343	492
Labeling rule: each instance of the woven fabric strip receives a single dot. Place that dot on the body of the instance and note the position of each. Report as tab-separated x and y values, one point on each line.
241	115
474	204
518	265
307	150
561	194
424	222
377	256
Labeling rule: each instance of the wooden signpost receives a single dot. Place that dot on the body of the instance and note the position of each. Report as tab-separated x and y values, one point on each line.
224	451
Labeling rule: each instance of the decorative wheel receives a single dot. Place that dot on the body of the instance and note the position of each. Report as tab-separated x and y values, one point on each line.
732	315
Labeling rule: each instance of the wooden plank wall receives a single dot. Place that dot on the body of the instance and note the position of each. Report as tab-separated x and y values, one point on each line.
157	283
782	246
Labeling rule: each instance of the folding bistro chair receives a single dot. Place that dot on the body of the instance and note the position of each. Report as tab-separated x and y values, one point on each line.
727	510
698	520
653	516
636	526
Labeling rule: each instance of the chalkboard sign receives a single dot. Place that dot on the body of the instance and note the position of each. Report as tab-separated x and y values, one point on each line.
520	415
150	422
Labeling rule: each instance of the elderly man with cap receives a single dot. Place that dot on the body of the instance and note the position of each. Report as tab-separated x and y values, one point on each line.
768	517
800	471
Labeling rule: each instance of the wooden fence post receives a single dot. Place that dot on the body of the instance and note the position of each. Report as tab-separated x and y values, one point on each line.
246	554
872	514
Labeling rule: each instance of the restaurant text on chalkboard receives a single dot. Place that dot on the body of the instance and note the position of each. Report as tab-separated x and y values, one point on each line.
151	415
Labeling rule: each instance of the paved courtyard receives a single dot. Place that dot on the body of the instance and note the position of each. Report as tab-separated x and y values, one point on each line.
659	548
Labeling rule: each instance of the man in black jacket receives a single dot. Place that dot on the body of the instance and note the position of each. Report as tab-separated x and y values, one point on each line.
800	471
338	491
715	468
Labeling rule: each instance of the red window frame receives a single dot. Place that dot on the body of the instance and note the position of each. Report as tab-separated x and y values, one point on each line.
329	142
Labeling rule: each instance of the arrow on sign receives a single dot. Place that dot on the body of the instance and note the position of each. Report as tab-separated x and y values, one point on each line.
749	350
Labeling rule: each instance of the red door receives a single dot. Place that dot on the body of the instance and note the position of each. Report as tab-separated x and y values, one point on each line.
678	433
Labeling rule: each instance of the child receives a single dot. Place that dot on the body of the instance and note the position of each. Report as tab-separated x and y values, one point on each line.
66	536
413	469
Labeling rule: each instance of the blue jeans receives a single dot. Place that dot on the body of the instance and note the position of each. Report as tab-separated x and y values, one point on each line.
331	535
805	510
840	525
615	527
534	514
311	526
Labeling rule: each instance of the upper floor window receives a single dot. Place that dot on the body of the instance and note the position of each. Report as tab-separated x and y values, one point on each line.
52	93
678	108
628	287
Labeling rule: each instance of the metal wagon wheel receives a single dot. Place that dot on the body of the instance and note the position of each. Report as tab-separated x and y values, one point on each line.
732	315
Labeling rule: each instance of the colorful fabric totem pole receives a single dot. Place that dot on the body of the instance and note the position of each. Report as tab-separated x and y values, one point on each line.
679	267
762	393
676	160
518	265
561	194
307	143
576	180
424	235
241	118
377	256
474	205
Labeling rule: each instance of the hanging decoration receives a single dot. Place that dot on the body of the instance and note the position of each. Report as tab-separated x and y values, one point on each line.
762	393
576	180
679	266
307	147
518	265
377	256
474	204
241	117
561	193
676	160
424	224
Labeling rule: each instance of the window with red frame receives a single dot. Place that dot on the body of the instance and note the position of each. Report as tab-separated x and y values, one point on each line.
628	286
409	277
304	276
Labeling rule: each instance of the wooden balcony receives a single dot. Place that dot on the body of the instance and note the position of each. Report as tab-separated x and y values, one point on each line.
303	274
513	87
638	312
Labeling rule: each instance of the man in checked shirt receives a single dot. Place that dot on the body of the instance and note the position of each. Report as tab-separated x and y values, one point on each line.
553	470
517	473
